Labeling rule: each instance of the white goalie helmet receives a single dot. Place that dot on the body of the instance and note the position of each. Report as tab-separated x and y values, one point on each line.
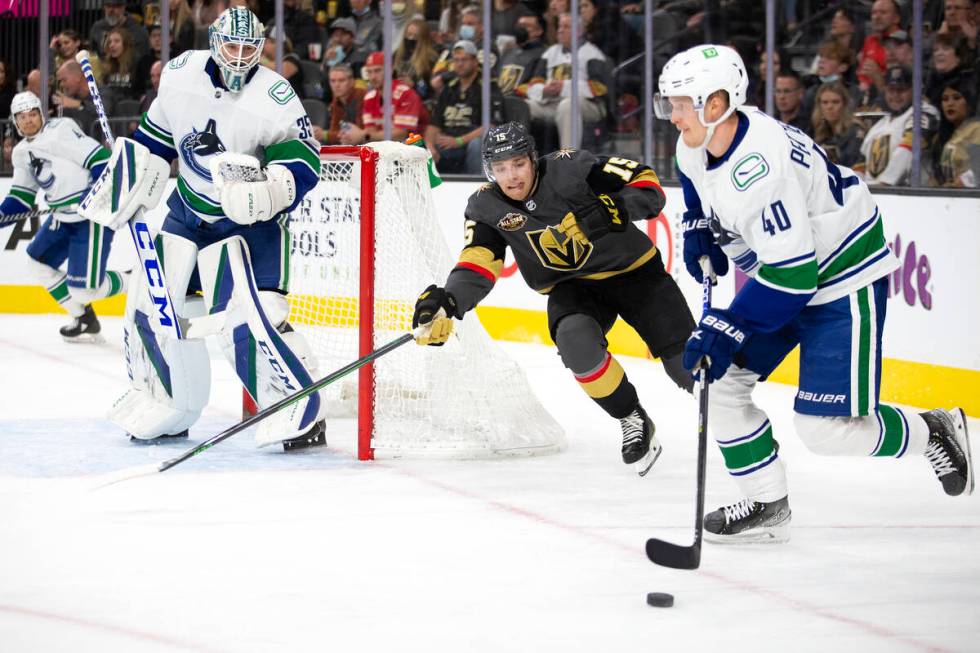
24	101
236	44
697	73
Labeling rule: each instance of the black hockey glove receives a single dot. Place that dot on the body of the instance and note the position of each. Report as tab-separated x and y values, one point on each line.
438	326
608	214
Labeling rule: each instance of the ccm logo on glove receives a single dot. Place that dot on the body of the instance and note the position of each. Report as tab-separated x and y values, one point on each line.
729	330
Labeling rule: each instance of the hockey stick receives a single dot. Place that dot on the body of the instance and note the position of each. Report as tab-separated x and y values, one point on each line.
667	554
26	215
156	283
147	470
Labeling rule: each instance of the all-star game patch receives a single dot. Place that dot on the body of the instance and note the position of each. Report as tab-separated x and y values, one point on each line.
512	222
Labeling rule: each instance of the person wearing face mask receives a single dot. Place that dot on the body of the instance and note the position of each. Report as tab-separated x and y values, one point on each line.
517	65
959	132
415	57
340	47
470	29
834	63
368	33
114	15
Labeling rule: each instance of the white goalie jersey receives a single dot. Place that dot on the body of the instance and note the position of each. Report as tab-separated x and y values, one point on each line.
58	162
778	207
194	118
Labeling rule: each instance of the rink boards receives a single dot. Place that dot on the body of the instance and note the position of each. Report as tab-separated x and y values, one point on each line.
932	345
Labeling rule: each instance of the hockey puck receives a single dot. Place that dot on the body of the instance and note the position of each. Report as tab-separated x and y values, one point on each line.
660	599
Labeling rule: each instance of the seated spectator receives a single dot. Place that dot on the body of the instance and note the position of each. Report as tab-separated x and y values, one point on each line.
887	148
834	127
550	90
605	28
834	64
415	58
408	112
151	92
455	135
114	15
63	47
959	131
886	17
73	100
300	29
8	88
291	68
368	34
141	73
347	105
948	62
555	9
517	65
340	47
470	29
898	49
789	101
960	20
34	82
118	61
757	84
843	29
503	18
449	21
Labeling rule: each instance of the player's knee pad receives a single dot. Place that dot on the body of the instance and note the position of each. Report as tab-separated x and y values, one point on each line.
580	341
837	436
171	379
263	357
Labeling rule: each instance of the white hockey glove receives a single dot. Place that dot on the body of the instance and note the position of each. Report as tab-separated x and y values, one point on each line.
249	193
134	178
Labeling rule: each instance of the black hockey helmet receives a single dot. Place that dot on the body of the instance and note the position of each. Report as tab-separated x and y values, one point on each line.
507	141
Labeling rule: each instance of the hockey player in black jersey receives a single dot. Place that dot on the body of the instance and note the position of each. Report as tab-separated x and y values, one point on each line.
567	217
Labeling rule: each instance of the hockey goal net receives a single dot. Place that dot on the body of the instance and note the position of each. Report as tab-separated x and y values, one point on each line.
365	242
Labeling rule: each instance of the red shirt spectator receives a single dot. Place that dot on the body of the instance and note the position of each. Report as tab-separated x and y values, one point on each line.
408	113
885	19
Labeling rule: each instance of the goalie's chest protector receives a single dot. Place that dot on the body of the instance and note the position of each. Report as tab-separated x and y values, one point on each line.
543	254
54	161
204	120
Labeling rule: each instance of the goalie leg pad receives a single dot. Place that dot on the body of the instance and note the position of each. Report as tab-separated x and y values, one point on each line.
170	378
262	356
133	179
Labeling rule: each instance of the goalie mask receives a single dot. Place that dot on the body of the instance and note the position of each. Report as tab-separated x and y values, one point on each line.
236	44
26	102
697	73
505	142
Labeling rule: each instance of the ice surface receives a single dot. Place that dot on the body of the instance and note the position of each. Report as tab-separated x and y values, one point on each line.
241	549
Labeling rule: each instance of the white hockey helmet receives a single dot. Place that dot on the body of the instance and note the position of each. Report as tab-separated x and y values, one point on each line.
236	44
697	73
25	101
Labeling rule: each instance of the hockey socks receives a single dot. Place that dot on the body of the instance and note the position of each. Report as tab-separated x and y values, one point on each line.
608	386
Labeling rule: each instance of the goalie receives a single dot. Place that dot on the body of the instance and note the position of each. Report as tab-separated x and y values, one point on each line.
224	243
568	219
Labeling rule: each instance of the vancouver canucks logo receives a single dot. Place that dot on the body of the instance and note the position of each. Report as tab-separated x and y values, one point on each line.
198	145
723	236
41	171
558	251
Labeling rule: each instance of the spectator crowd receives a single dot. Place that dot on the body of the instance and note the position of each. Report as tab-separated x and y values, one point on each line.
843	72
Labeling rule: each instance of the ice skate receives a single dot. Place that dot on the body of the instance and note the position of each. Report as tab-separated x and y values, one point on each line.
166	438
948	450
640	446
749	521
85	328
315	437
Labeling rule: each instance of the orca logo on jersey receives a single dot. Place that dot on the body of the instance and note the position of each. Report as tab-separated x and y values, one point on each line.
558	251
200	144
41	170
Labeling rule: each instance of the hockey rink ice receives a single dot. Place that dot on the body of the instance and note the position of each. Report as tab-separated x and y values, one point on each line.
240	549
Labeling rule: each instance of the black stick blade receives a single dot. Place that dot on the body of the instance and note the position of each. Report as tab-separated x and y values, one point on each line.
674	556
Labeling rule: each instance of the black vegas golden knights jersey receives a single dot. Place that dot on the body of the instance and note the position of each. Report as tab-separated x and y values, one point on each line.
567	181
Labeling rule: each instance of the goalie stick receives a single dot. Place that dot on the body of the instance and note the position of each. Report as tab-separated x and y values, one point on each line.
147	470
667	554
156	283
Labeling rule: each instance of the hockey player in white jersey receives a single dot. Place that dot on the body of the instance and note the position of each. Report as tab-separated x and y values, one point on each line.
224	242
56	159
809	236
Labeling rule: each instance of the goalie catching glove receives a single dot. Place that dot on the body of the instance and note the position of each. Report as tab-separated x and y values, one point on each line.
434	311
248	192
595	221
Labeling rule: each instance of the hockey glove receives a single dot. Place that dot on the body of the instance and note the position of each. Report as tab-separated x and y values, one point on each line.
595	221
698	242
716	339
248	193
434	310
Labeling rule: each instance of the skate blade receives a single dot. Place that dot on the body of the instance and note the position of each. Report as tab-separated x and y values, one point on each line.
643	465
86	339
963	437
765	535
